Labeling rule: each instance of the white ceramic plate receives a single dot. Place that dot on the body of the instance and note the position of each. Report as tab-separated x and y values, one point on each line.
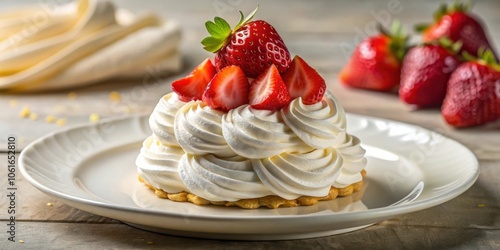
92	168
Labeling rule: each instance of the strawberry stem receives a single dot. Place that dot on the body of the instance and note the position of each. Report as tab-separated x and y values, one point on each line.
244	20
399	39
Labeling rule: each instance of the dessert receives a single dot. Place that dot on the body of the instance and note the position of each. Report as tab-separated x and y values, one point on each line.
275	139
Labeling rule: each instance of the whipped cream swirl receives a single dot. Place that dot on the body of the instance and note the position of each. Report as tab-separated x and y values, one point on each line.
300	150
221	179
162	119
258	134
319	125
293	175
198	129
157	164
354	162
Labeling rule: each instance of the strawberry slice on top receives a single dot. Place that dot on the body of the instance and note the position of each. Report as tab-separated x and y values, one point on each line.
302	80
193	85
252	45
227	90
268	91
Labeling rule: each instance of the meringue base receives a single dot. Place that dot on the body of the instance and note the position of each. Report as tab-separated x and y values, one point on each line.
270	201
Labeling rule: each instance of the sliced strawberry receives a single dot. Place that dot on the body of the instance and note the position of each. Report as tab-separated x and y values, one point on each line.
228	89
268	91
193	85
302	80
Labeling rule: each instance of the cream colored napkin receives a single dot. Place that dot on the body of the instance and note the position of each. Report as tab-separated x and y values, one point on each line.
82	42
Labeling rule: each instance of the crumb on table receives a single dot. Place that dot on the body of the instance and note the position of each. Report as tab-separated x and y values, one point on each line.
25	112
61	122
50	119
34	116
115	96
94	117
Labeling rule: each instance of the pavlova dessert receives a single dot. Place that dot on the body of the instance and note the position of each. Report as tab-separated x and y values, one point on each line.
255	128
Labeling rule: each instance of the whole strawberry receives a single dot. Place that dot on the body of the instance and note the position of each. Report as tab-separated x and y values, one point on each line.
376	62
425	73
253	46
458	24
473	95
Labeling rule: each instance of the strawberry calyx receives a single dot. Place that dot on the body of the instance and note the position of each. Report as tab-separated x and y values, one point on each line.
457	6
398	39
220	31
445	9
485	57
449	45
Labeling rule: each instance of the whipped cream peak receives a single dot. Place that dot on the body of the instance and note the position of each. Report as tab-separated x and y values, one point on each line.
158	165
319	125
257	134
293	175
354	162
198	129
221	179
162	119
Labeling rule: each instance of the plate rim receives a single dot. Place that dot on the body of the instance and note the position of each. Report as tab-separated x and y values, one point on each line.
381	212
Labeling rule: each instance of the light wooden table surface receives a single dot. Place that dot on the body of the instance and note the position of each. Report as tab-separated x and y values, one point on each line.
323	33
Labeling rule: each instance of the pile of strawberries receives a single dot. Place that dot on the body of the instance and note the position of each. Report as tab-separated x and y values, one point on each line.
454	68
252	66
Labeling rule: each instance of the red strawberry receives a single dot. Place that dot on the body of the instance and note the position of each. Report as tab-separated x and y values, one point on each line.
302	80
228	89
458	24
376	62
473	95
193	85
268	91
425	73
251	45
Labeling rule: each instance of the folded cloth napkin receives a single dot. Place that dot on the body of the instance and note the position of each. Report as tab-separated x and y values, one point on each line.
82	42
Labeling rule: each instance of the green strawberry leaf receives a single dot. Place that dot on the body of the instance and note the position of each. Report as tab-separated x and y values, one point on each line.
457	6
212	44
244	20
419	28
399	39
485	57
220	31
448	44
